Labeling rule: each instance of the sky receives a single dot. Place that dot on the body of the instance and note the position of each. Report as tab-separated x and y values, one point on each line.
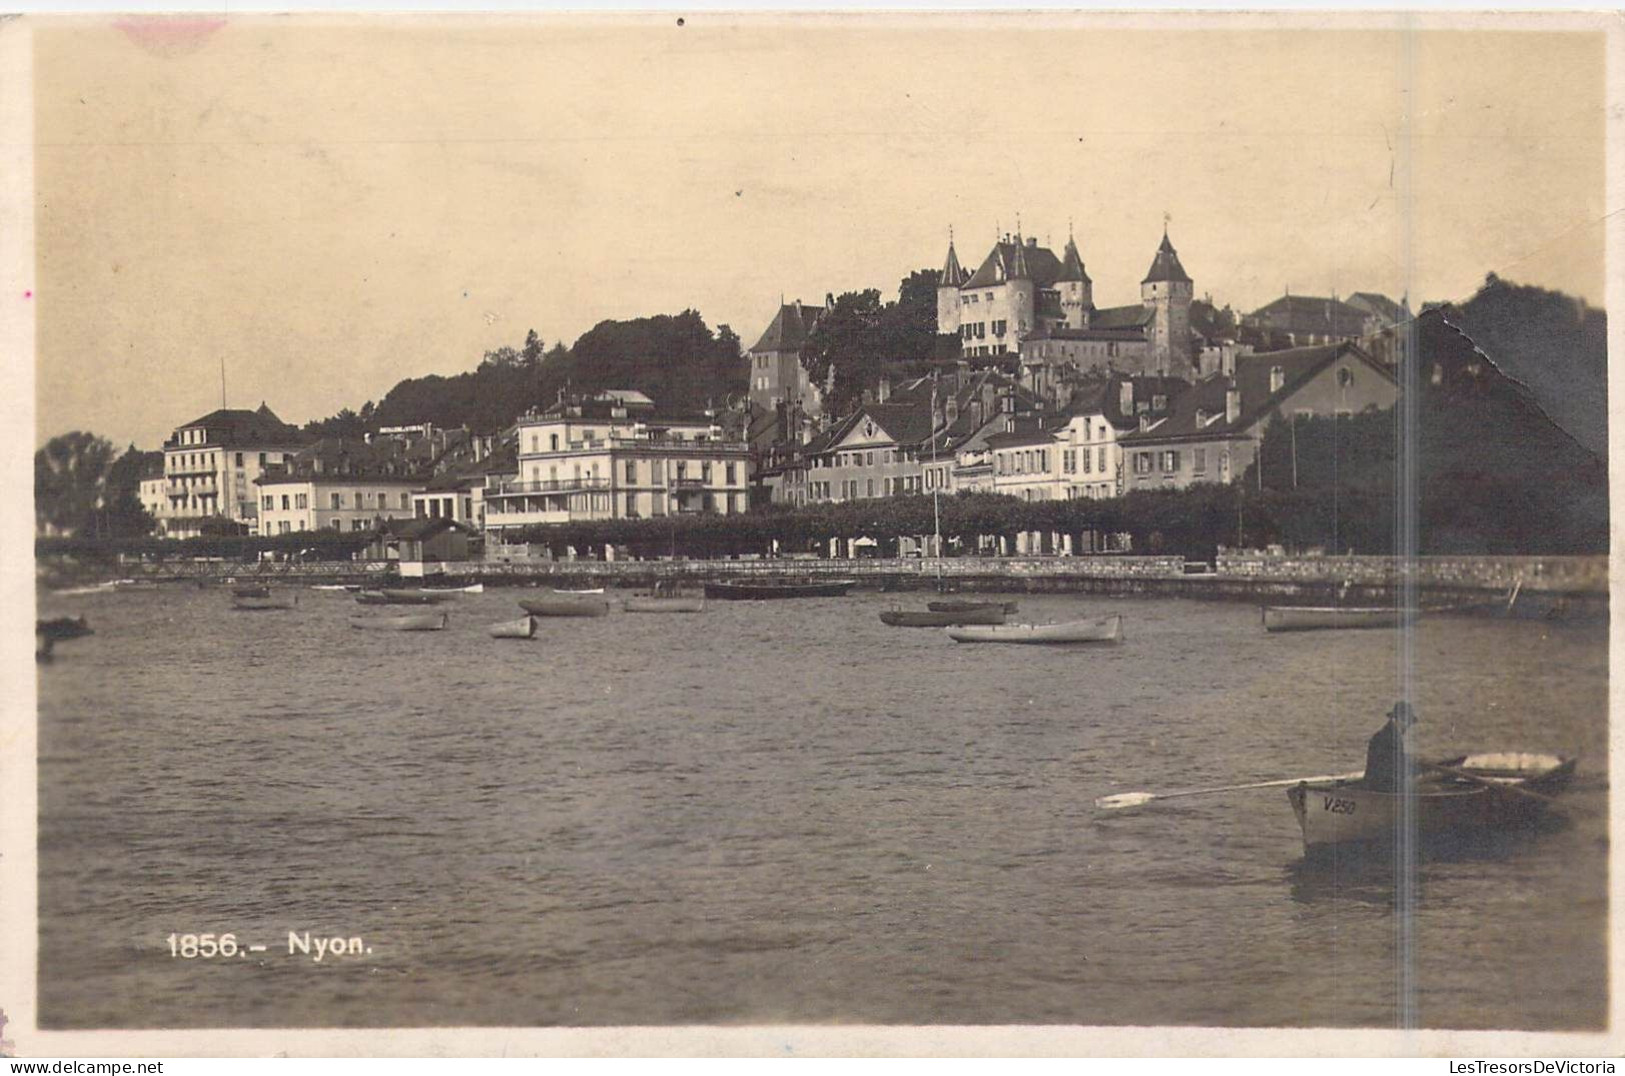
327	205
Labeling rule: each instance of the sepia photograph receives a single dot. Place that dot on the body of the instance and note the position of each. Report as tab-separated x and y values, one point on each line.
819	521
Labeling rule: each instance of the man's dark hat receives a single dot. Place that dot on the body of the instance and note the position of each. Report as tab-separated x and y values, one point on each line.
1402	712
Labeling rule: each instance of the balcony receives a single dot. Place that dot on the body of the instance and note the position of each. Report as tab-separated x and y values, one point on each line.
553	485
685	484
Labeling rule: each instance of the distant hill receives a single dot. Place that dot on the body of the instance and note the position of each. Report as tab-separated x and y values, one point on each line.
1551	343
676	360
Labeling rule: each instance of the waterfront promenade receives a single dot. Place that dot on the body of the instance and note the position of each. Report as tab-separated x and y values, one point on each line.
1570	586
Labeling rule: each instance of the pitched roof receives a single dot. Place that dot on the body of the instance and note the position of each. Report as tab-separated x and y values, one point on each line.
1165	266
1016	260
338	458
1379	304
1072	264
237	426
1308	315
1133	316
420	527
790	327
1104	397
1253	372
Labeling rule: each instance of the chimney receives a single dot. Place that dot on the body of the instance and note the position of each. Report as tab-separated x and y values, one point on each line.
1125	396
1277	378
951	411
1032	242
1232	405
976	415
883	393
1201	418
1145	420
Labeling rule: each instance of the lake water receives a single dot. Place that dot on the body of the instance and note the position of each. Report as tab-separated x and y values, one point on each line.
784	812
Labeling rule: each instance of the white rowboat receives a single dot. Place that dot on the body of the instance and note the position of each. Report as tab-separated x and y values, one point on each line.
1107	629
1316	618
523	628
410	622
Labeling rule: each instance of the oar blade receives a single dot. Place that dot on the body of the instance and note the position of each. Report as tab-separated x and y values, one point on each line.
1124	799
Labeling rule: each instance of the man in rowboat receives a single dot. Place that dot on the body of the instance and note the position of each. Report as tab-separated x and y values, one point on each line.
1387	765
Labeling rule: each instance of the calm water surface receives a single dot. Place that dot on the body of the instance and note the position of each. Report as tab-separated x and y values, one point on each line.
783	812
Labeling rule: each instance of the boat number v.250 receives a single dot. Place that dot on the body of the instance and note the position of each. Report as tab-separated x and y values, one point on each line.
1338	806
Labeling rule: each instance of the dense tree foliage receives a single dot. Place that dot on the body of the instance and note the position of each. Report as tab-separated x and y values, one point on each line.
82	485
862	338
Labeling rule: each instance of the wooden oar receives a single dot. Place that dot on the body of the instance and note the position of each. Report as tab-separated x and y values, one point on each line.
1135	799
1503	786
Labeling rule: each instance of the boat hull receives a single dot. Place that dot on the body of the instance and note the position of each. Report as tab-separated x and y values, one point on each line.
740	590
1327	618
1349	814
524	628
269	601
1104	630
664	605
559	605
965	607
414	622
908	619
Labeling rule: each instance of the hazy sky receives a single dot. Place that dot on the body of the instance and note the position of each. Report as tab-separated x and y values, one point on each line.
331	205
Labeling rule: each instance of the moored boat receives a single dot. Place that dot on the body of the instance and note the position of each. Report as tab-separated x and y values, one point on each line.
965	607
330	586
588	590
419	597
1107	629
566	605
251	592
1326	617
266	600
647	603
472	588
768	589
395	597
406	622
523	628
1493	792
901	618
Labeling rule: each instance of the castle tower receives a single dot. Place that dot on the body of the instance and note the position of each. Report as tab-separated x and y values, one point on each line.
1075	288
948	292
1020	305
1167	289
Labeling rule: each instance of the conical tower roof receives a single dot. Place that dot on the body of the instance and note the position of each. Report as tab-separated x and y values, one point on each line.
1018	269
1165	266
1072	265
952	274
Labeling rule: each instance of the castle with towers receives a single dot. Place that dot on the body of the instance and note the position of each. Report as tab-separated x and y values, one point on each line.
1023	300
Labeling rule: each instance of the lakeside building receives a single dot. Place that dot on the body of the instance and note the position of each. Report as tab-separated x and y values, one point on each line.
1212	432
153	492
337	484
211	465
1023	300
609	456
1079	453
777	378
905	440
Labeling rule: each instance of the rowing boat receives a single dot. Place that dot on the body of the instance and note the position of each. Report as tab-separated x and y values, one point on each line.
1493	792
965	607
396	597
472	588
419	597
769	589
1315	618
987	614
1106	629
406	622
251	592
330	586
267	600
523	628
645	603
565	605
589	590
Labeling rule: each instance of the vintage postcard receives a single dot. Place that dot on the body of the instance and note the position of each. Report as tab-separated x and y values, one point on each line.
754	534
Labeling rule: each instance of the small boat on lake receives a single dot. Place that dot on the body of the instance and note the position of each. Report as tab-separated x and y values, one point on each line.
587	590
407	622
523	628
99	588
472	588
267	600
653	603
558	604
1327	617
1107	629
898	618
251	592
419	597
966	607
1487	792
47	633
396	597
770	589
332	586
